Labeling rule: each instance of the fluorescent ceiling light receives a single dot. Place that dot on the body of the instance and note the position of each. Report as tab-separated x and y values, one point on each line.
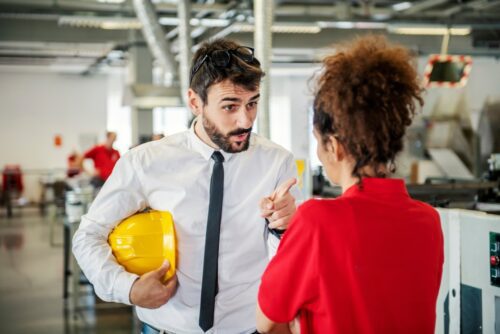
428	30
295	29
280	28
352	25
111	1
209	22
174	21
171	2
115	23
344	25
401	6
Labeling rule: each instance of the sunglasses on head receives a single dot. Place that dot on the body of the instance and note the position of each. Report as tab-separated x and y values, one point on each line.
222	58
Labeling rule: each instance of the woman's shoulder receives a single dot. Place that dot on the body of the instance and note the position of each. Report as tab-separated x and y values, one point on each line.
318	202
322	206
426	208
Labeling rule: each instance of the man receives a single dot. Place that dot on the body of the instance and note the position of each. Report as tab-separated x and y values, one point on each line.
104	157
182	174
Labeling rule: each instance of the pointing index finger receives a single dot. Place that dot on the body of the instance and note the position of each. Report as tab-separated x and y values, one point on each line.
285	187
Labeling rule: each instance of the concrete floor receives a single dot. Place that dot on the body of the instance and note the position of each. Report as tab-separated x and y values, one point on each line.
31	283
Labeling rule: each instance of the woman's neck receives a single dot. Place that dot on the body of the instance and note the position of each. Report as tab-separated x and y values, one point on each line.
347	180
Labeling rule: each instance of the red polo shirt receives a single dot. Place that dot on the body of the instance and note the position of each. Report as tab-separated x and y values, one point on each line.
104	159
369	261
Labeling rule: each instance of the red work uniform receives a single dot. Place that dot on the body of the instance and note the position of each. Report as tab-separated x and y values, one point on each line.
369	261
104	160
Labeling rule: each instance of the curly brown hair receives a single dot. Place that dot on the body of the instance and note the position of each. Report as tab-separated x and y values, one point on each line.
366	96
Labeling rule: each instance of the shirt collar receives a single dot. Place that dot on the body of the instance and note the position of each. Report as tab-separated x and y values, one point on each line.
203	148
373	186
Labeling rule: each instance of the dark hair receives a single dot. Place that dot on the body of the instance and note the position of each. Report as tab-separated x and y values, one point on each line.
245	74
366	96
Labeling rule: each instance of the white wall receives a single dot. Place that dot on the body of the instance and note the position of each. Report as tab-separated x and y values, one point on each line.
35	105
291	98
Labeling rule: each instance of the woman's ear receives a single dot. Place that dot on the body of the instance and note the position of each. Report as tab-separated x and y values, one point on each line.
194	102
335	148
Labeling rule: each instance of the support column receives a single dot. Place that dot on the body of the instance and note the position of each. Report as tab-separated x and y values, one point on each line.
263	12
140	71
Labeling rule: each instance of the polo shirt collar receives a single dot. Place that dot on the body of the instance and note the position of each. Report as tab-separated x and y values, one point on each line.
203	148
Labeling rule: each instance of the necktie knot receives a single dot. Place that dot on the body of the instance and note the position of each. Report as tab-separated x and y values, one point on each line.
218	157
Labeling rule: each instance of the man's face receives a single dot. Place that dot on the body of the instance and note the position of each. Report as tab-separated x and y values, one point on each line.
228	116
110	139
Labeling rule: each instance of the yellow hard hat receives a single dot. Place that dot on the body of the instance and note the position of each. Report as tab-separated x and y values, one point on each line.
141	242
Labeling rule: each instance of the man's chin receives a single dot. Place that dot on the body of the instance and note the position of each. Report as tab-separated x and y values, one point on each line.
237	147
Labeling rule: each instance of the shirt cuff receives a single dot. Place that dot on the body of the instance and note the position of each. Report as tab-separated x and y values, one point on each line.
274	231
122	287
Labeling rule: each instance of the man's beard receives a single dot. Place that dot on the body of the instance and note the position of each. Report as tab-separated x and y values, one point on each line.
224	141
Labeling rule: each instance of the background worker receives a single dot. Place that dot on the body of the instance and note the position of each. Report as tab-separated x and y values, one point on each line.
104	157
369	261
74	162
220	181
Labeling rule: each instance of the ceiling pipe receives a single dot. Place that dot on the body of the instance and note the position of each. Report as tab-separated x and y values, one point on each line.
125	7
154	36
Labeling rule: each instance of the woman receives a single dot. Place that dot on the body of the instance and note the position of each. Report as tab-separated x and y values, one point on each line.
369	261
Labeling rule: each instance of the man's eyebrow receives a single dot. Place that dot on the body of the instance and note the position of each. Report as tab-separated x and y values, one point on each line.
255	97
231	99
236	99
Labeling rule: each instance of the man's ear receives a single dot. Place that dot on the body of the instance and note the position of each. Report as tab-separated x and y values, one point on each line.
194	102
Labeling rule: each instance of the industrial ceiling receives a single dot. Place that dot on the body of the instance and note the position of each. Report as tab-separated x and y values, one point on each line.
89	32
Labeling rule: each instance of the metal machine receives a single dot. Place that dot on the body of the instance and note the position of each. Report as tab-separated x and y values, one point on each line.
469	298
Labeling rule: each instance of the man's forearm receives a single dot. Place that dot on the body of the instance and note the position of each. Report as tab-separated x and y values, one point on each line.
93	254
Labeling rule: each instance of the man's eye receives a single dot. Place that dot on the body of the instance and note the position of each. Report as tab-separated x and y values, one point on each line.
252	105
230	107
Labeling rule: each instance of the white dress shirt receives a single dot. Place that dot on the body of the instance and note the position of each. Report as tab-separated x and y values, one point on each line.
173	174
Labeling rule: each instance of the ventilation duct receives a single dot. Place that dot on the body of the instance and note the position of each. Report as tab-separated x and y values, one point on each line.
147	96
154	35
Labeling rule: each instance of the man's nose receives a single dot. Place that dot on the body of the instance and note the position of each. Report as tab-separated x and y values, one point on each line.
245	118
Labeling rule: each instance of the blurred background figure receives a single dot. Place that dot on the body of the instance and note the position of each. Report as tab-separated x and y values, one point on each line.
157	136
104	157
74	164
12	187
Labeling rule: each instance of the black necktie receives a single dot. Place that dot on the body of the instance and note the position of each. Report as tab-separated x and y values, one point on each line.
211	258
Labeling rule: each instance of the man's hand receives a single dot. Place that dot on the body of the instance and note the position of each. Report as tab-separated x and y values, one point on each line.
295	325
280	206
267	326
150	291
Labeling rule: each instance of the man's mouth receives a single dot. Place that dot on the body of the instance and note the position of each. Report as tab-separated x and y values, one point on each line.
241	137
